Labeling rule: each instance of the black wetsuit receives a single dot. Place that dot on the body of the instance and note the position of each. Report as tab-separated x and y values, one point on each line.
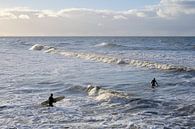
154	83
51	101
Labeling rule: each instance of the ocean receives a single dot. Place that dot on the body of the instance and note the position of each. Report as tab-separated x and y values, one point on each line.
106	82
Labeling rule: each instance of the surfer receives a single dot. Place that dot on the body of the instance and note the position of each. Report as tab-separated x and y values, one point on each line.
154	83
51	100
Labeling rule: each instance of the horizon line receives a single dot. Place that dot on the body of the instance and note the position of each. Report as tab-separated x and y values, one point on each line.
18	36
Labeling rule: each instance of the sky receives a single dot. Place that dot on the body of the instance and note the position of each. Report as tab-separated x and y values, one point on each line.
95	4
97	18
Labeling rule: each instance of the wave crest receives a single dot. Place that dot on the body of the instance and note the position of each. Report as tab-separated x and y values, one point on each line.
102	94
39	47
112	59
138	63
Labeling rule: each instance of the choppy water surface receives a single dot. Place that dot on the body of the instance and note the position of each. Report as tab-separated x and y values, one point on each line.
105	81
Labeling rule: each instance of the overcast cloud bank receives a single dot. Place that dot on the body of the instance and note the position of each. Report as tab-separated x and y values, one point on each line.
169	17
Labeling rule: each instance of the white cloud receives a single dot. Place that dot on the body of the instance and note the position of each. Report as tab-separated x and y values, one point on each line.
120	17
24	17
134	12
169	17
166	8
173	8
46	13
7	15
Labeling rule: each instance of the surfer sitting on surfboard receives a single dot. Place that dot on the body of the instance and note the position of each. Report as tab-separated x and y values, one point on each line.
51	100
154	83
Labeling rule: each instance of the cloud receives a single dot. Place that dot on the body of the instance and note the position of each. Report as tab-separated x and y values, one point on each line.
7	15
46	13
16	13
169	17
174	8
120	17
24	17
165	9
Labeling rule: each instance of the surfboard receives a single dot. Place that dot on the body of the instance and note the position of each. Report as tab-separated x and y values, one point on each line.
55	100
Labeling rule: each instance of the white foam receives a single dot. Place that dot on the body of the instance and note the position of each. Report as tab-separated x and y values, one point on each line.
101	94
50	50
111	59
46	49
115	60
93	57
37	47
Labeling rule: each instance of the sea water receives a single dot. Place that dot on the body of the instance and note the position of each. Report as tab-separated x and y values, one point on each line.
105	81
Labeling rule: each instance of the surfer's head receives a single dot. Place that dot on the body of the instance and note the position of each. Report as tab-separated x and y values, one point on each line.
51	94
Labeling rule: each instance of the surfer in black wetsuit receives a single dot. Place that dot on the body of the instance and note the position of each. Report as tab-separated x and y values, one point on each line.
154	83
51	100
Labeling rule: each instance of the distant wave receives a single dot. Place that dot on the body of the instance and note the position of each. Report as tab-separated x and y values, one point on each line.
115	60
109	45
38	47
112	59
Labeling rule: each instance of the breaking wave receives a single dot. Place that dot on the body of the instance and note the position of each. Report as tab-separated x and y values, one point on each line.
102	94
112	59
38	47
